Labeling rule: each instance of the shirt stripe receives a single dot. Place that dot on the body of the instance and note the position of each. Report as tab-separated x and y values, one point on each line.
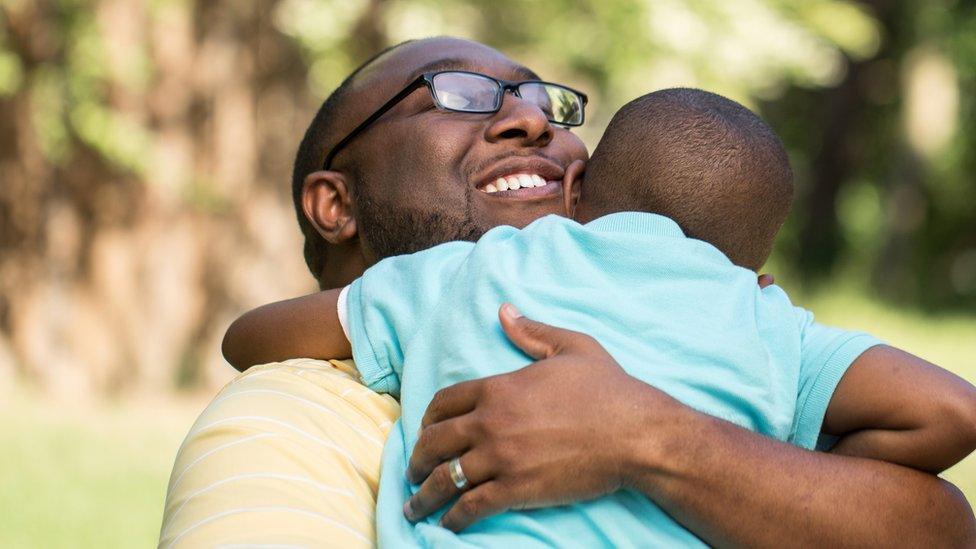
294	441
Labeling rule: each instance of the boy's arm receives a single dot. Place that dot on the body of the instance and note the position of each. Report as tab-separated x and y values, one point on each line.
896	407
303	327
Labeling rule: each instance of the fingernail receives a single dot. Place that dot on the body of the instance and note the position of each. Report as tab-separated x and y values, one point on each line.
513	311
408	511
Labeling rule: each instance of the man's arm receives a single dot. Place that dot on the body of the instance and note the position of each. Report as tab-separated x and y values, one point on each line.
575	426
735	488
896	407
306	327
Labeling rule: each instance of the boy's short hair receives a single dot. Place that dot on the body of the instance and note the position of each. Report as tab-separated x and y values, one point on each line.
701	159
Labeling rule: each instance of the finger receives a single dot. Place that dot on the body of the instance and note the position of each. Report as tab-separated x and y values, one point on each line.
766	280
538	340
439	488
452	401
436	444
478	503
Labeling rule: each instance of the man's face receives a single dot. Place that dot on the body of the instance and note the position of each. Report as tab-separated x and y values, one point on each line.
419	174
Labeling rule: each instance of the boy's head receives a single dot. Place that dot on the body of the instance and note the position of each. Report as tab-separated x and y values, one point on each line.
703	160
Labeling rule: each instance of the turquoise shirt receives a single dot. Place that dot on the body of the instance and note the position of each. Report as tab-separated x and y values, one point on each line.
673	311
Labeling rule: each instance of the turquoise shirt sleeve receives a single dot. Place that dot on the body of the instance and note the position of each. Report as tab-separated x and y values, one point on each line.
387	305
825	355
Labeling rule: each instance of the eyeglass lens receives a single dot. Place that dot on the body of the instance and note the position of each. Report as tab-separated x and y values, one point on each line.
560	105
476	93
466	92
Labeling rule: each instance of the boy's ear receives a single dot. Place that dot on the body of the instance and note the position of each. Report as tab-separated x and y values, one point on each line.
328	206
572	186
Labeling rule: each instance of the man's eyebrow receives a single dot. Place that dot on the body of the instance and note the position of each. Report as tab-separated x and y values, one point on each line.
526	73
465	64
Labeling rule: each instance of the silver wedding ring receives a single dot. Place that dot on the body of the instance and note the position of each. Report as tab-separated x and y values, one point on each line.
457	475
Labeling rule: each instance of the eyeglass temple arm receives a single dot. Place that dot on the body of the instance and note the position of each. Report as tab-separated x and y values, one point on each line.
420	81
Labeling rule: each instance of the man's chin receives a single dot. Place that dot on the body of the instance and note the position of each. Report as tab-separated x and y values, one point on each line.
494	211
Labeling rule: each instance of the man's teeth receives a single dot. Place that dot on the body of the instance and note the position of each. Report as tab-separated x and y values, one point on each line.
515	182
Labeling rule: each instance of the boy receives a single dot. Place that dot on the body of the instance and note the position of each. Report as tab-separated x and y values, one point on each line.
676	286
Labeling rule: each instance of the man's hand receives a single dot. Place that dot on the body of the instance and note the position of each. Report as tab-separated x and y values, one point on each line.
537	437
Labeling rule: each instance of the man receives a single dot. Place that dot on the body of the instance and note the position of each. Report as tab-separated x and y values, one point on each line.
281	457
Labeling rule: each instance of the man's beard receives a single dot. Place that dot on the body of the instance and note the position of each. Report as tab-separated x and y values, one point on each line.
389	231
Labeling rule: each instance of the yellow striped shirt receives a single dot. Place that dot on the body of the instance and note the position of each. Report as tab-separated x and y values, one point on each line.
287	454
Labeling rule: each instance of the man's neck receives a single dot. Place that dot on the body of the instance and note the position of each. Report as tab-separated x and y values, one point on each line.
343	265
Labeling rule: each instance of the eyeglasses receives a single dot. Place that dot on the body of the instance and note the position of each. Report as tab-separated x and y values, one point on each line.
471	92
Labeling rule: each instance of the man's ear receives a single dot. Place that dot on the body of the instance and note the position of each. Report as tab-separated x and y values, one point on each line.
328	206
572	185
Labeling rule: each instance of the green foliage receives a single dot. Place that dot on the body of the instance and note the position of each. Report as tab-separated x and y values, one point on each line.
614	49
70	90
895	139
886	190
880	197
11	73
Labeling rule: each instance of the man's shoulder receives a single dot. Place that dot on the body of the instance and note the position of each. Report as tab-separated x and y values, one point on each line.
310	387
286	451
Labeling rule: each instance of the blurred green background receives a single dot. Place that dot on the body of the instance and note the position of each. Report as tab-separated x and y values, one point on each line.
145	157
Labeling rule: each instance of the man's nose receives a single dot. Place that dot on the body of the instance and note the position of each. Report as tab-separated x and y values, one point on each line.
522	121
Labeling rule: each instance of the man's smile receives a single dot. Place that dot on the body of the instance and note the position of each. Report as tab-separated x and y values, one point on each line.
522	186
521	177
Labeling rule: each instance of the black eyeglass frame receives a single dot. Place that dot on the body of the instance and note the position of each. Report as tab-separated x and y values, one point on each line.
427	79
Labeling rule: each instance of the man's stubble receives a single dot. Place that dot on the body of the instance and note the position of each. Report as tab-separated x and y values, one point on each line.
389	231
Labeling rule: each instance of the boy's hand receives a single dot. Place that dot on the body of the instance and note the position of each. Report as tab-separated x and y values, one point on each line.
303	327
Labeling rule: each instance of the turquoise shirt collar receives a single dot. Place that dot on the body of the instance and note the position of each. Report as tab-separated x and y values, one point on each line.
637	223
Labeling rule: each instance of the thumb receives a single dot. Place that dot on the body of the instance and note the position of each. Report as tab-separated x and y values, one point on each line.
536	339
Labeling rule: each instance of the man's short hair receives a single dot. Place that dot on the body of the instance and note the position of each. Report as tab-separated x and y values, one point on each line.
311	155
701	159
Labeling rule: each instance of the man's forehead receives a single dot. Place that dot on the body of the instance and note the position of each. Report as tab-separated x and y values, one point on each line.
401	65
461	63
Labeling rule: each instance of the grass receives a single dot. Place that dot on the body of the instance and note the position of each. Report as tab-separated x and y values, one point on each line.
94	475
86	475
